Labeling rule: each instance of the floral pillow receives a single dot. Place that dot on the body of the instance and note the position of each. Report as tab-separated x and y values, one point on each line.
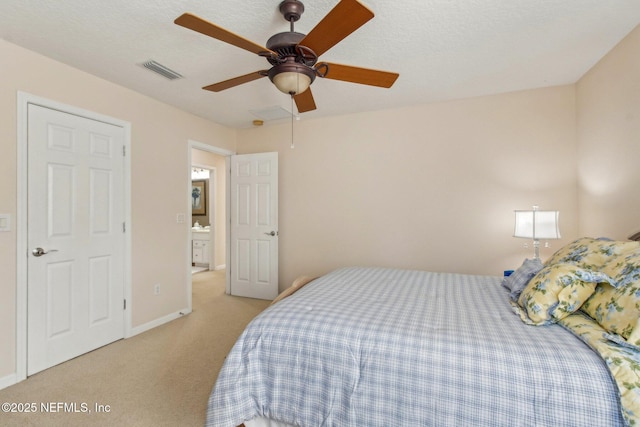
625	268
555	292
590	253
616	309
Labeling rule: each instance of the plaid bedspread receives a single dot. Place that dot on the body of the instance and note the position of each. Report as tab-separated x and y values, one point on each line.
385	347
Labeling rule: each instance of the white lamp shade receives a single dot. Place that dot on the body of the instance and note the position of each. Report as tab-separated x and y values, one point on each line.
291	82
537	224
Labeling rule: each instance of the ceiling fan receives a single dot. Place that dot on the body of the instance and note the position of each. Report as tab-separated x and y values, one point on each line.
294	56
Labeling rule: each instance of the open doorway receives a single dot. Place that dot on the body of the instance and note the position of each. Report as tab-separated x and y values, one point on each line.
203	212
207	210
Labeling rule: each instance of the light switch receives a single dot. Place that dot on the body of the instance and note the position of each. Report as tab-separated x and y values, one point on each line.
180	218
5	222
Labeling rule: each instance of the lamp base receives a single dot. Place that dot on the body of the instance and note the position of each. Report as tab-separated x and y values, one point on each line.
536	249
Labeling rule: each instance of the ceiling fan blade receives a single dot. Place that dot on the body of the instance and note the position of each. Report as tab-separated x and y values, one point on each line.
346	17
304	101
236	81
207	28
359	75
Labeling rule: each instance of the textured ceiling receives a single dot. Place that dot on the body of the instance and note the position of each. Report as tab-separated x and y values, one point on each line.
443	49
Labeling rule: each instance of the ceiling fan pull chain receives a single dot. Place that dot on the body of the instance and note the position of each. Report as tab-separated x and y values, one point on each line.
292	146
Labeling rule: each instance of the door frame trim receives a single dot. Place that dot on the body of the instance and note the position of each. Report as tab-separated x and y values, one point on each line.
191	144
24	99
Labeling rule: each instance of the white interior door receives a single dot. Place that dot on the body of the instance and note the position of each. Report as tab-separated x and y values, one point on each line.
75	236
254	225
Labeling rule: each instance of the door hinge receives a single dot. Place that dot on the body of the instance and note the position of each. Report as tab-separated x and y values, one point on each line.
125	304
124	227
124	150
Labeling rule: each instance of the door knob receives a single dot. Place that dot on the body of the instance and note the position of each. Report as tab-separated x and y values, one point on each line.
40	251
272	233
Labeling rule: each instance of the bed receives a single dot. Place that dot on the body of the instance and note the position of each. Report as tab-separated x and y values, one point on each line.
369	347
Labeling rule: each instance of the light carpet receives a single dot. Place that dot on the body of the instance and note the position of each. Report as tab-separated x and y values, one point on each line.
162	377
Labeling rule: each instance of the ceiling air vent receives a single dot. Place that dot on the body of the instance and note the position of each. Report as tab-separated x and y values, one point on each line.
271	113
162	70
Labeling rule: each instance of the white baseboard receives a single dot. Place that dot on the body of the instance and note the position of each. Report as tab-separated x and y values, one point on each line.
158	322
221	267
7	381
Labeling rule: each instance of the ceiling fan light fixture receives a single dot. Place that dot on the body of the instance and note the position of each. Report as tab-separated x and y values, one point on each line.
291	82
292	78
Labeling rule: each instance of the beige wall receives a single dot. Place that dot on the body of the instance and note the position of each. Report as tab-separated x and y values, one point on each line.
160	135
200	157
430	187
609	131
